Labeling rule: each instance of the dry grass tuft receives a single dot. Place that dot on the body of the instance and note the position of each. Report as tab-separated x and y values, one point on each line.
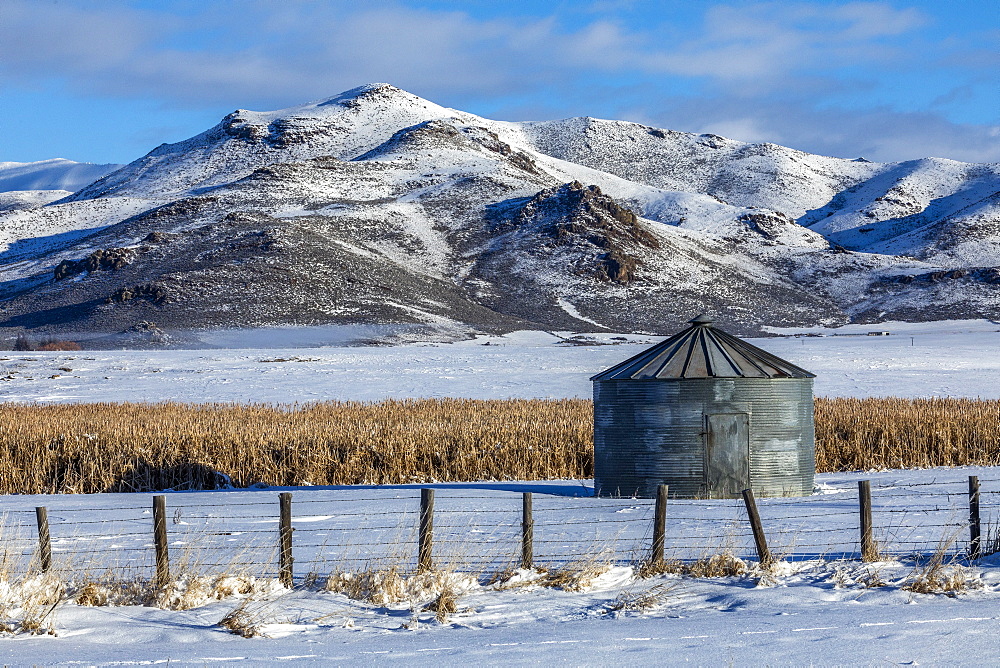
722	565
192	591
873	553
573	577
629	601
93	594
39	596
872	579
515	578
938	576
387	586
445	604
652	569
380	587
242	621
949	580
38	621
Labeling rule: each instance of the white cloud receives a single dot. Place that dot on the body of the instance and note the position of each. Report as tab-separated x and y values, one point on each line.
767	43
756	71
293	51
877	134
300	48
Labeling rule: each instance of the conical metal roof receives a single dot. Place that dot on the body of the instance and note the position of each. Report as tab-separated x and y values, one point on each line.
702	351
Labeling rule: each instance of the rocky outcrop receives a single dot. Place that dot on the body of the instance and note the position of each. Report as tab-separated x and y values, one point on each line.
584	218
492	142
573	210
238	126
990	275
148	331
108	260
152	292
769	225
157	237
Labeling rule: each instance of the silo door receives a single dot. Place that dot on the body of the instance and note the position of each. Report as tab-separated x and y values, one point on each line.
727	456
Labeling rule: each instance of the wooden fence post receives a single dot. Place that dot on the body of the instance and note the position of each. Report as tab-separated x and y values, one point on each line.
285	559
527	532
763	554
659	525
44	543
975	537
425	559
160	540
868	549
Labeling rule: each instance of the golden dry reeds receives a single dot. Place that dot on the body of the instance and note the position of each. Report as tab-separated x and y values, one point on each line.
87	448
135	447
890	433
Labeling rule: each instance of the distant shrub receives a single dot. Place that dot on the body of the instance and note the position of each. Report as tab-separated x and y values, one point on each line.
23	343
59	345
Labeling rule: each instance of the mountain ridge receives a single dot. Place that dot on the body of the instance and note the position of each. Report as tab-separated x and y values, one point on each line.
375	206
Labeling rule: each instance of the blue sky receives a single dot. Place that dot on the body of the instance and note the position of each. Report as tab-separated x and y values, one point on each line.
104	81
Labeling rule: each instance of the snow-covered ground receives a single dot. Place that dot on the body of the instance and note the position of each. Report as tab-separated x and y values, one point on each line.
818	606
952	358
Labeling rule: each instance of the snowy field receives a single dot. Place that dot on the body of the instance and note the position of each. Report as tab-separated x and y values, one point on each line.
956	358
820	604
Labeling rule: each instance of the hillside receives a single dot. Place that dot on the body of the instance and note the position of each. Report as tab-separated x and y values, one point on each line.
378	207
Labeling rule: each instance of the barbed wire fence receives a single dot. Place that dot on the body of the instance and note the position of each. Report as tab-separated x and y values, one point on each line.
316	532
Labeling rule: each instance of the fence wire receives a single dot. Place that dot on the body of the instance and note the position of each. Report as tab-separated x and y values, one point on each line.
482	533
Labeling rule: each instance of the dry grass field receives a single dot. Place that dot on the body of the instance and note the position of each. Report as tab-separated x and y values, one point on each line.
885	433
131	447
84	448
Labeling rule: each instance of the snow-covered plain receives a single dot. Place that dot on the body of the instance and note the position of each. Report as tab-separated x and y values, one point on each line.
819	606
950	358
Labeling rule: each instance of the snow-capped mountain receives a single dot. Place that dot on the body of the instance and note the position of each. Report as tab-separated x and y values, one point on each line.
376	206
29	185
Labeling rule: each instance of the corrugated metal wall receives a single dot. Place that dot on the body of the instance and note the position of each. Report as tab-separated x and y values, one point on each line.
653	432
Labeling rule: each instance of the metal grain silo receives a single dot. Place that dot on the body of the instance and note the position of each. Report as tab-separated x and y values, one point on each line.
707	414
